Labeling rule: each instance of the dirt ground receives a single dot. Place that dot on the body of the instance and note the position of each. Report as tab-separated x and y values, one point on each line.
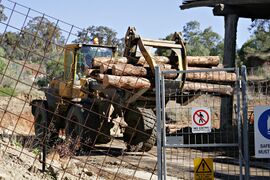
19	159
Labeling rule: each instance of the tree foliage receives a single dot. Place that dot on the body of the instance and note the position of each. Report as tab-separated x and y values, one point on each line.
106	36
10	44
2	61
198	42
43	37
38	39
259	42
3	17
202	42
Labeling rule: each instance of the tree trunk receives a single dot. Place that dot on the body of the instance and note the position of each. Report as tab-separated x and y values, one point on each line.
200	61
220	76
157	59
98	61
206	87
104	68
139	71
100	77
203	61
126	82
129	70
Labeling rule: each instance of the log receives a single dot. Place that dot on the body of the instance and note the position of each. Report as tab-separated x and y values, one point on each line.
91	72
139	71
105	67
126	82
206	87
203	61
193	61
162	66
157	59
98	61
214	76
100	77
199	61
129	70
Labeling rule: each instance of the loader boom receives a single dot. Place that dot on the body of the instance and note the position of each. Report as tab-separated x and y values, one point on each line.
134	41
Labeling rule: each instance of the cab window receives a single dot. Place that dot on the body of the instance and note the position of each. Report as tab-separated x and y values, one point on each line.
68	64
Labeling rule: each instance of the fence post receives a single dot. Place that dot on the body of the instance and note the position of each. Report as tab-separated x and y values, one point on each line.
245	121
158	121
163	129
239	124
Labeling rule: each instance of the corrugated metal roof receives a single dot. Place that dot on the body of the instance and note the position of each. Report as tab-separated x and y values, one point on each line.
243	8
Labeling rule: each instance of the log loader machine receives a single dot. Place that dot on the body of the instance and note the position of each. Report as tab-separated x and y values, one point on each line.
79	103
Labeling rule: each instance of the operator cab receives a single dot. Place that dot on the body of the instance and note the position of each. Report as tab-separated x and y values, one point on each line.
86	55
82	55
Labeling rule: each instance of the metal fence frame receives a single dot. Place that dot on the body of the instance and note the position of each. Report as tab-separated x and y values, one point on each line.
160	113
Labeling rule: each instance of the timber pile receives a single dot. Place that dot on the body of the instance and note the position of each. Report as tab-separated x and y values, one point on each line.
136	73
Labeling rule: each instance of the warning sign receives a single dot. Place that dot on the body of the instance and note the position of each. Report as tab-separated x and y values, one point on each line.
262	131
203	169
201	120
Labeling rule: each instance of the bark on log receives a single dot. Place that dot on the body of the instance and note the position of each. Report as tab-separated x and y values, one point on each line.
206	87
105	67
129	70
217	76
98	61
157	59
126	82
100	77
200	61
139	71
203	61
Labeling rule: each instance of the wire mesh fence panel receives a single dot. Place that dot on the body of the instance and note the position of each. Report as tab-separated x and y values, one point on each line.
193	127
257	96
58	118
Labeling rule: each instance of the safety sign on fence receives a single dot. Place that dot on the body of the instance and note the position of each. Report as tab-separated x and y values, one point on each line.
203	169
201	120
262	131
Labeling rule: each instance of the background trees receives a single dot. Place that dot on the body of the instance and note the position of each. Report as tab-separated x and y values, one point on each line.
106	36
259	41
199	42
42	37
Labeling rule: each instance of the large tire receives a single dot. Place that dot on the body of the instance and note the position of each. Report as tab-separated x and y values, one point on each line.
104	125
140	135
87	124
43	124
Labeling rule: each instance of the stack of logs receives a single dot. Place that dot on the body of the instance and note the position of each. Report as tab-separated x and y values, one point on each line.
136	74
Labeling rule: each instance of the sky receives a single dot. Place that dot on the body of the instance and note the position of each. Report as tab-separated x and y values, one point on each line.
152	18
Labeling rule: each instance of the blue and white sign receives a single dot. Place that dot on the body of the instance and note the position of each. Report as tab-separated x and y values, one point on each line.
262	131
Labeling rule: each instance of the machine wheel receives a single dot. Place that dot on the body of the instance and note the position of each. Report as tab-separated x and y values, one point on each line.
104	126
43	122
140	135
87	126
73	123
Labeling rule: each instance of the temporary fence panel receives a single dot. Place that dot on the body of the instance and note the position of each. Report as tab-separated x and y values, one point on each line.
193	140
255	112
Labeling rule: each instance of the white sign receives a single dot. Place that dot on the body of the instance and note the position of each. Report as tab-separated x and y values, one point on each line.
262	131
201	120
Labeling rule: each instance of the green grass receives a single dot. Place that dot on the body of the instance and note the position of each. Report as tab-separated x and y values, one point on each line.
7	91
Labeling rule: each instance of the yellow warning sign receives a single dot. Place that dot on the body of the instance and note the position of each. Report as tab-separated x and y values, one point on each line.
203	169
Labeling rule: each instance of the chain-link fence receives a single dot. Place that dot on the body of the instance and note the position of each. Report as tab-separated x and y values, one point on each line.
57	125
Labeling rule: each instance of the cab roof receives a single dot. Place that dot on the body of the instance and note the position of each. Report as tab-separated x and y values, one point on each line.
78	45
